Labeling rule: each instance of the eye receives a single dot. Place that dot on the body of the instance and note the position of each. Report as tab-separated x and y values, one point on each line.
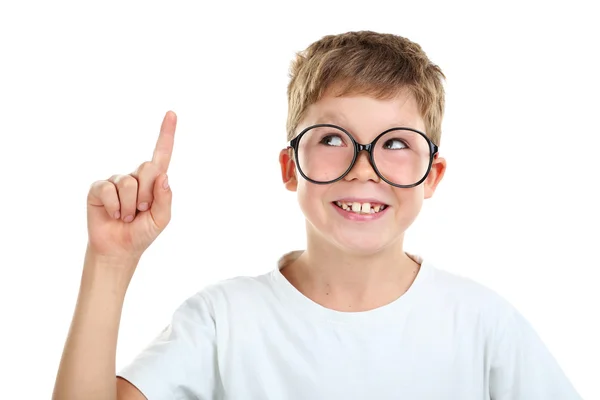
394	144
332	140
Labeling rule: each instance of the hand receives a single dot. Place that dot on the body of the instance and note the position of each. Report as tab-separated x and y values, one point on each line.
126	213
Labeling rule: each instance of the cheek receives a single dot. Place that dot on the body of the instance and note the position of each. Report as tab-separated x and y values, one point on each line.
409	202
311	198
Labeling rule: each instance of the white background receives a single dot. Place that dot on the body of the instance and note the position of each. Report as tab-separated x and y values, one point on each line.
84	87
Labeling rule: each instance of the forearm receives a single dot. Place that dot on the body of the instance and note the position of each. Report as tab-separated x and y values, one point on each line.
87	368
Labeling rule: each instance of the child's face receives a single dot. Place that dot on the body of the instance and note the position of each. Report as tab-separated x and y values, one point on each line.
365	118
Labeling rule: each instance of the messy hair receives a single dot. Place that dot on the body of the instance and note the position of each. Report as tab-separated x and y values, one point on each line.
368	63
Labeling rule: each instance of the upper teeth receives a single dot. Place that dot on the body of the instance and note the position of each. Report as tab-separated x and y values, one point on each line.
365	208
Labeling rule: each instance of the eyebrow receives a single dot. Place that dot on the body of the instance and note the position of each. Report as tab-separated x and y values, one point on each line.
329	117
339	119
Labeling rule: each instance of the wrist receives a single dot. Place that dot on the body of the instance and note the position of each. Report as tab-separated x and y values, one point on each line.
110	272
121	262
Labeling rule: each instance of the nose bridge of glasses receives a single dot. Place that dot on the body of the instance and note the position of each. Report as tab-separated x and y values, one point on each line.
363	147
365	150
363	155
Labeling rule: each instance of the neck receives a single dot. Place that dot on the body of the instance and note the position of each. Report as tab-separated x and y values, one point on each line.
342	281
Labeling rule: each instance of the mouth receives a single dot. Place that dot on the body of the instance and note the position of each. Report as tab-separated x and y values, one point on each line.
360	207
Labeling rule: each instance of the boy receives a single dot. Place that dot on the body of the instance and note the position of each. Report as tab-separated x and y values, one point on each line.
353	316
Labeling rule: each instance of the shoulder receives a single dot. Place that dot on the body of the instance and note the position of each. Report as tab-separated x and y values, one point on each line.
465	305
519	364
240	287
238	293
465	296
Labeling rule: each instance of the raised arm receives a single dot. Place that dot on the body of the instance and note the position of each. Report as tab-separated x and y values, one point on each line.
125	214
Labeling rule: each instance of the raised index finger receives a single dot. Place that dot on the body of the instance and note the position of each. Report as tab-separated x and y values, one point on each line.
164	145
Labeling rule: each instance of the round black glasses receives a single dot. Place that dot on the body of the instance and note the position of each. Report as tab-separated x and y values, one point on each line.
326	153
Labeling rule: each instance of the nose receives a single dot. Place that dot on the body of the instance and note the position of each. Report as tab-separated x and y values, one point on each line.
362	169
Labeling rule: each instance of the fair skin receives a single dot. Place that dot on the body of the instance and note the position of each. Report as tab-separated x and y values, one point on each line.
332	270
126	213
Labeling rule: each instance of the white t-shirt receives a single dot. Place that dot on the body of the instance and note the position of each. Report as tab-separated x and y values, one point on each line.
258	337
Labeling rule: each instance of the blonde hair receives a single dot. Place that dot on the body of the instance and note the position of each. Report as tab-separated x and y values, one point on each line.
369	63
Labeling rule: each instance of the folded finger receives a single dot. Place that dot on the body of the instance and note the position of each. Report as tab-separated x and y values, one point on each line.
127	187
104	194
146	174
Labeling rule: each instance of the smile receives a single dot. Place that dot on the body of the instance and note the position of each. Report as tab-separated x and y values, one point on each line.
360	208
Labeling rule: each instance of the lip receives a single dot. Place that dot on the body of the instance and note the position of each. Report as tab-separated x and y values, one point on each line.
352	216
361	200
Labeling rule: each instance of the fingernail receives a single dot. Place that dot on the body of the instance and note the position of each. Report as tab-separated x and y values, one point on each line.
166	183
117	215
143	206
128	218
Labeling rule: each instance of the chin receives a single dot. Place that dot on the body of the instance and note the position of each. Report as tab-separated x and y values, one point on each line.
363	245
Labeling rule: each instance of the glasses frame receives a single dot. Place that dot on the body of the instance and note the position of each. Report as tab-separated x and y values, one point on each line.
368	147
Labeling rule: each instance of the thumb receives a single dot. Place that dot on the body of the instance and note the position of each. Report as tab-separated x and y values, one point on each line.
161	205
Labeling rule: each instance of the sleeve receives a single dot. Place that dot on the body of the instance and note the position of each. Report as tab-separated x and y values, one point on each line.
522	368
181	362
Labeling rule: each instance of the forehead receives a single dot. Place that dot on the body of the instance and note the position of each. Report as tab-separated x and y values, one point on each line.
365	116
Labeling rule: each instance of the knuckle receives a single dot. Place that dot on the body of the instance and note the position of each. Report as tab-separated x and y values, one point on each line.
147	166
146	169
106	188
127	182
95	185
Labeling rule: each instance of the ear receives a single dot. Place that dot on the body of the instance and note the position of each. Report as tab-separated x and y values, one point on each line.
438	169
288	169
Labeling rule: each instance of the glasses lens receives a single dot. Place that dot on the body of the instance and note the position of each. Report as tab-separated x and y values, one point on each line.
325	153
402	156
